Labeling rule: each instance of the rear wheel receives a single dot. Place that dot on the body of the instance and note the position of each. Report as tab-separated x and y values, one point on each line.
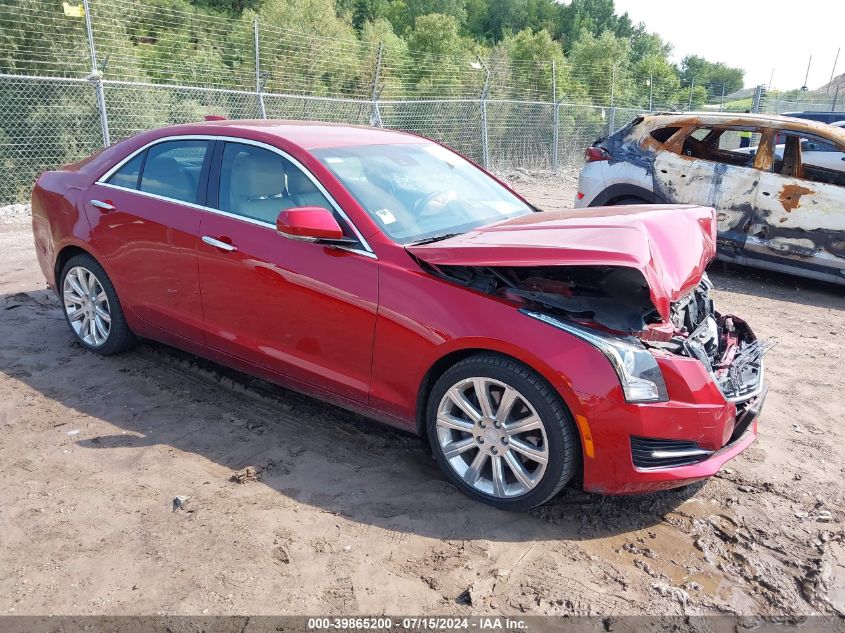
91	307
500	433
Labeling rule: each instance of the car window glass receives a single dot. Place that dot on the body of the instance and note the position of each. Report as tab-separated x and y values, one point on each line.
172	169
417	191
127	175
257	183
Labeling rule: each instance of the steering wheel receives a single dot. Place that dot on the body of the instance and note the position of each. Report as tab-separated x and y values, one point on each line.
424	203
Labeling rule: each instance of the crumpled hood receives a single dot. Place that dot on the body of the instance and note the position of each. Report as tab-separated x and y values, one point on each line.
670	245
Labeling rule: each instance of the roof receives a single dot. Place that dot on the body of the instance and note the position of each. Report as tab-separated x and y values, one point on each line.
312	134
738	119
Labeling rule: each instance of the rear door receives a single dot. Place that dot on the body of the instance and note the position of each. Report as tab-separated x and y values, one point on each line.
711	169
145	216
799	219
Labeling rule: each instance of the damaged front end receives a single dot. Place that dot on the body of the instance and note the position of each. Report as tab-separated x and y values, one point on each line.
724	344
611	308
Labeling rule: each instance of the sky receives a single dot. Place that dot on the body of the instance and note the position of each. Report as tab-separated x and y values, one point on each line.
756	35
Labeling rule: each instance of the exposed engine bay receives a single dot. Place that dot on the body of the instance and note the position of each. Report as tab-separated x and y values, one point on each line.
724	344
618	298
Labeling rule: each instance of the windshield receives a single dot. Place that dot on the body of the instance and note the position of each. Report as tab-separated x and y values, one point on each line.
416	192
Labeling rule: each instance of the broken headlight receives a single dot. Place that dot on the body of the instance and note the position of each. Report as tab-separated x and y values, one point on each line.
635	366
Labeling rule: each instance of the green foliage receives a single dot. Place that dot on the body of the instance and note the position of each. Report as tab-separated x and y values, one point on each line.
713	76
429	48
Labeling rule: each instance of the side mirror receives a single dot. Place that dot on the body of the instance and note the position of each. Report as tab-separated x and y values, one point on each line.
310	224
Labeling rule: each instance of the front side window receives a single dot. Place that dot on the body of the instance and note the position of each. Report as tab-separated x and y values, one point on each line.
127	175
257	183
732	146
172	169
420	191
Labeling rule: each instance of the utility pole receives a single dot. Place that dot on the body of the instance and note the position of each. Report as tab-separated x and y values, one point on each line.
833	70
771	77
722	102
807	76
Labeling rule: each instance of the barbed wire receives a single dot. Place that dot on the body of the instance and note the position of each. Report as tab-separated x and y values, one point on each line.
160	66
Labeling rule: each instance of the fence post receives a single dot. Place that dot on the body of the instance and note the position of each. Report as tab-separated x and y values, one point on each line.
757	102
375	116
611	122
691	86
96	77
651	91
259	83
485	147
555	120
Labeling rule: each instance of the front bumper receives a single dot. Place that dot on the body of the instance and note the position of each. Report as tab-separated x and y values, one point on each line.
722	429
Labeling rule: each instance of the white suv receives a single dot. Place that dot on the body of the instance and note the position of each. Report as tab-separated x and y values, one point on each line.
777	183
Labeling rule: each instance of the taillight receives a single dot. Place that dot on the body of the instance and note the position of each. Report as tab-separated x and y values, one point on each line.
596	153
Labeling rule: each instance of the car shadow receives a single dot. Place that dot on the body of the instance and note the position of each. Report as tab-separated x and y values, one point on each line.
311	452
774	285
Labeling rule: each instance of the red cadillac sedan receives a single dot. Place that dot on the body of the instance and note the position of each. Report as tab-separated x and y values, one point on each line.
384	273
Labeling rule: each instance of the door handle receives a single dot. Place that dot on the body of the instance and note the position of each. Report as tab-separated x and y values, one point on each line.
105	207
223	246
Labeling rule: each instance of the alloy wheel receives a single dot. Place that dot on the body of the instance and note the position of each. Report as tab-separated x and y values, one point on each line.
492	437
87	306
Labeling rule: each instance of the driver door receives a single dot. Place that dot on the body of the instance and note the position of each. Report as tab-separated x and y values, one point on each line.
301	309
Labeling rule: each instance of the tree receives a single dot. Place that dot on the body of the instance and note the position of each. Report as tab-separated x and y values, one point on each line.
403	14
712	76
530	55
593	17
602	65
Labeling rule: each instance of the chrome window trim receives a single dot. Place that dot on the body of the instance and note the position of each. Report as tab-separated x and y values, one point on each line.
181	137
367	251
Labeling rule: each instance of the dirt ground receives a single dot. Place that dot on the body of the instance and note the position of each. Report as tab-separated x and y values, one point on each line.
344	516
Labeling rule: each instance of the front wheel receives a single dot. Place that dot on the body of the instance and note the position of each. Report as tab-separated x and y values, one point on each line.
500	433
92	309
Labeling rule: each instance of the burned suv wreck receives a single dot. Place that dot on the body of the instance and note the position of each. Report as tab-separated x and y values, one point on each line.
633	275
779	199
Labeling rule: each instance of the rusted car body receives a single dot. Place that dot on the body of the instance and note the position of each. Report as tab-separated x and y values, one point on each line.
778	208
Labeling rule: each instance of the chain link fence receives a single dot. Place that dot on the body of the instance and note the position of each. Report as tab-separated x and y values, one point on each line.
72	83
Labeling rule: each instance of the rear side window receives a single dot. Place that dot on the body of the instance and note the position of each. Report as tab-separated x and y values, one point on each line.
664	133
172	169
127	176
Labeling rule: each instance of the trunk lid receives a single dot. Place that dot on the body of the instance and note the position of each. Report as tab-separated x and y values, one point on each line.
670	245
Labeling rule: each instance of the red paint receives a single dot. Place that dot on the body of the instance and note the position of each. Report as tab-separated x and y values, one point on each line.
670	244
364	331
310	223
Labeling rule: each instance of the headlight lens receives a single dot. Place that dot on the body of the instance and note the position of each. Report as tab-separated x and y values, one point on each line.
637	369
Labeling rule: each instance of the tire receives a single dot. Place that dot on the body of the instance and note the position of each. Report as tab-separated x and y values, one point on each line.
464	445
629	200
98	325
